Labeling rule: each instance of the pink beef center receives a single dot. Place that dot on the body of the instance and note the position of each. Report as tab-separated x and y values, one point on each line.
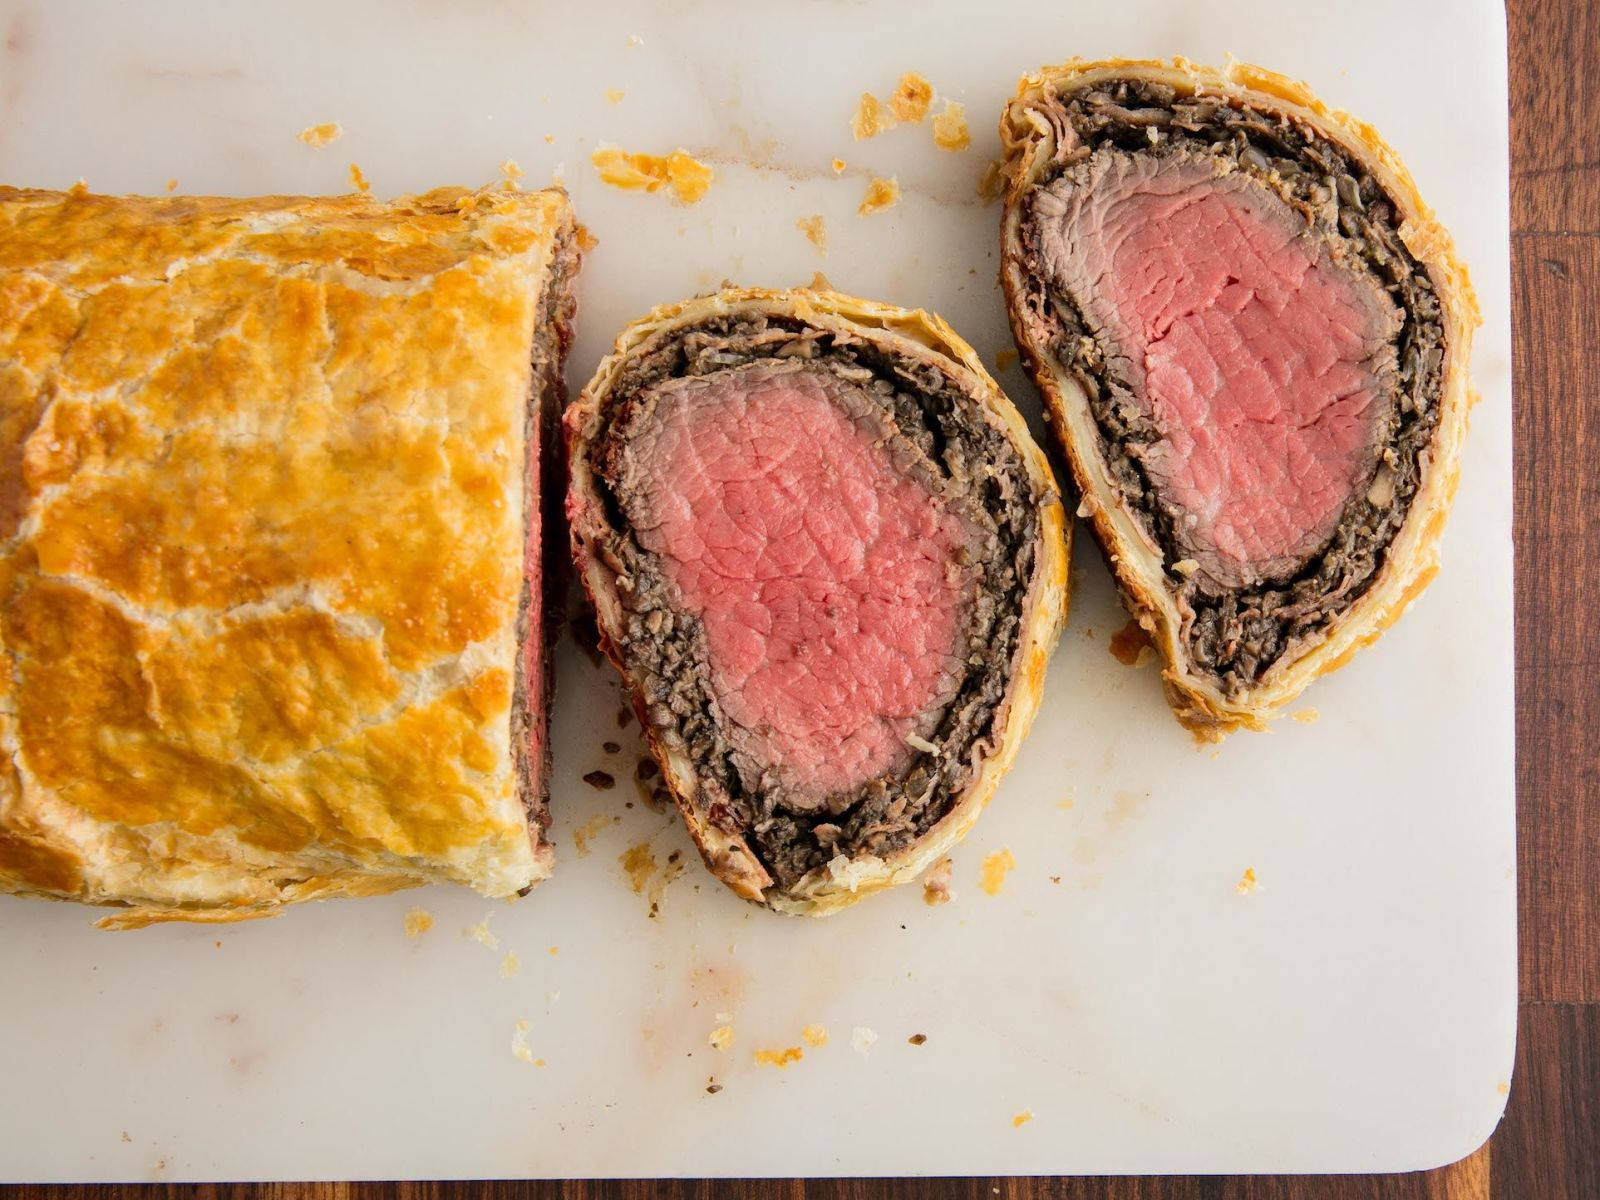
826	580
1258	357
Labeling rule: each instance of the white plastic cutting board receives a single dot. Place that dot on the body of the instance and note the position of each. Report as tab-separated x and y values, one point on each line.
1356	1012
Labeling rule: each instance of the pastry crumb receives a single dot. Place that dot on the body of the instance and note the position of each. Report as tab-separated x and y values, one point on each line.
992	183
1129	643
950	127
992	875
838	166
634	40
318	136
881	194
480	934
1020	1119
358	180
418	922
871	118
814	1035
586	240
936	883
819	283
510	965
586	833
1305	716
779	1058
862	1038
614	95
1004	360
1247	882
1186	566
721	1037
172	185
554	950
551	997
688	178
549	139
510	172
911	98
1503	1087
639	862
816	231
520	1050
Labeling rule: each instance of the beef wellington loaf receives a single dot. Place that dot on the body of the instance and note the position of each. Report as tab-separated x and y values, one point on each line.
1252	337
829	562
271	594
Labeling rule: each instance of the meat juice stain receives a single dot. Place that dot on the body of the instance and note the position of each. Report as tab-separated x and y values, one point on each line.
1127	642
639	862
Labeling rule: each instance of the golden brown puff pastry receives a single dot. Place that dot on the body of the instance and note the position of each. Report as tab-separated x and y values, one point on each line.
1253	339
265	488
830	564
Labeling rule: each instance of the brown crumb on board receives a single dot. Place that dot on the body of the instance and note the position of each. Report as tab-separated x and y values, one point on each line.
603	780
318	136
992	875
688	178
950	127
418	922
871	118
713	1088
911	99
779	1058
881	194
611	747
816	231
918	1039
936	883
1129	642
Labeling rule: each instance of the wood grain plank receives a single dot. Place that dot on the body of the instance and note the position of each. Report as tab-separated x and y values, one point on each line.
1554	48
1557	428
1551	1149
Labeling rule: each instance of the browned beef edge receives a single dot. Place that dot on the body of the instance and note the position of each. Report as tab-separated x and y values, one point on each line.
1237	635
664	648
547	397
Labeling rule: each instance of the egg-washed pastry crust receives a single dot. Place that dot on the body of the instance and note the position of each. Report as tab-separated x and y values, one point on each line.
261	544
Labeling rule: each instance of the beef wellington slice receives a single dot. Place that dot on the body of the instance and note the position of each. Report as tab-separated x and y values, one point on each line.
829	562
1252	338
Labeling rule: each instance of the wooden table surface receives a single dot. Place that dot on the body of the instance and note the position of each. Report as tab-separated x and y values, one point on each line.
1548	1146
